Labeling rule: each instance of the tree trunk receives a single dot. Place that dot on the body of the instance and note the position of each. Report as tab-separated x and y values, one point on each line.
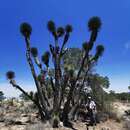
74	111
41	98
56	100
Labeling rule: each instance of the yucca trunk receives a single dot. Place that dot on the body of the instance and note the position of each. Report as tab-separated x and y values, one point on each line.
39	89
44	92
56	100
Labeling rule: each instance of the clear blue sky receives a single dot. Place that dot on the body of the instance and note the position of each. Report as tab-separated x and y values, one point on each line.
115	35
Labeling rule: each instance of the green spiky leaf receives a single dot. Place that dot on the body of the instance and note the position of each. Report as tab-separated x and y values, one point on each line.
60	31
68	28
34	51
85	46
100	49
99	52
45	58
10	75
94	23
51	26
25	29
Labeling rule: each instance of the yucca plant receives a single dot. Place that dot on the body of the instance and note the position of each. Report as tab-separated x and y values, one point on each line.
45	58
34	51
60	31
68	28
26	29
10	75
61	79
52	28
94	26
85	46
99	52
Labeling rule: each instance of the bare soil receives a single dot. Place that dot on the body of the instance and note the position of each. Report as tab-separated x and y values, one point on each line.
23	118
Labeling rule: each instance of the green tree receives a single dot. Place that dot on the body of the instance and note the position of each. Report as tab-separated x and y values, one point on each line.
2	96
129	88
98	83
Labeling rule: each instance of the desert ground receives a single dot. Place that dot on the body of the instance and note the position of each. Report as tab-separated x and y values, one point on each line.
22	116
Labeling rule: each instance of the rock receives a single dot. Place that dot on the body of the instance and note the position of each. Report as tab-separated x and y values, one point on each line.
17	127
2	111
126	118
24	115
23	120
9	118
61	124
39	126
16	119
127	125
127	112
2	119
105	128
102	117
2	124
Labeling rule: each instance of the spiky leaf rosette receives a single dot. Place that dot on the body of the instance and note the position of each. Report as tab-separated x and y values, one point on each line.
94	23
26	29
51	26
10	75
31	94
45	58
85	46
68	28
34	51
60	31
99	51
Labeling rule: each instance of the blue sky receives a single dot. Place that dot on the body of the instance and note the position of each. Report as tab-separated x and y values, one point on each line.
114	35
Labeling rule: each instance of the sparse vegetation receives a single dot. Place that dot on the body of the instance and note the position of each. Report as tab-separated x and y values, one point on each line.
2	96
64	83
